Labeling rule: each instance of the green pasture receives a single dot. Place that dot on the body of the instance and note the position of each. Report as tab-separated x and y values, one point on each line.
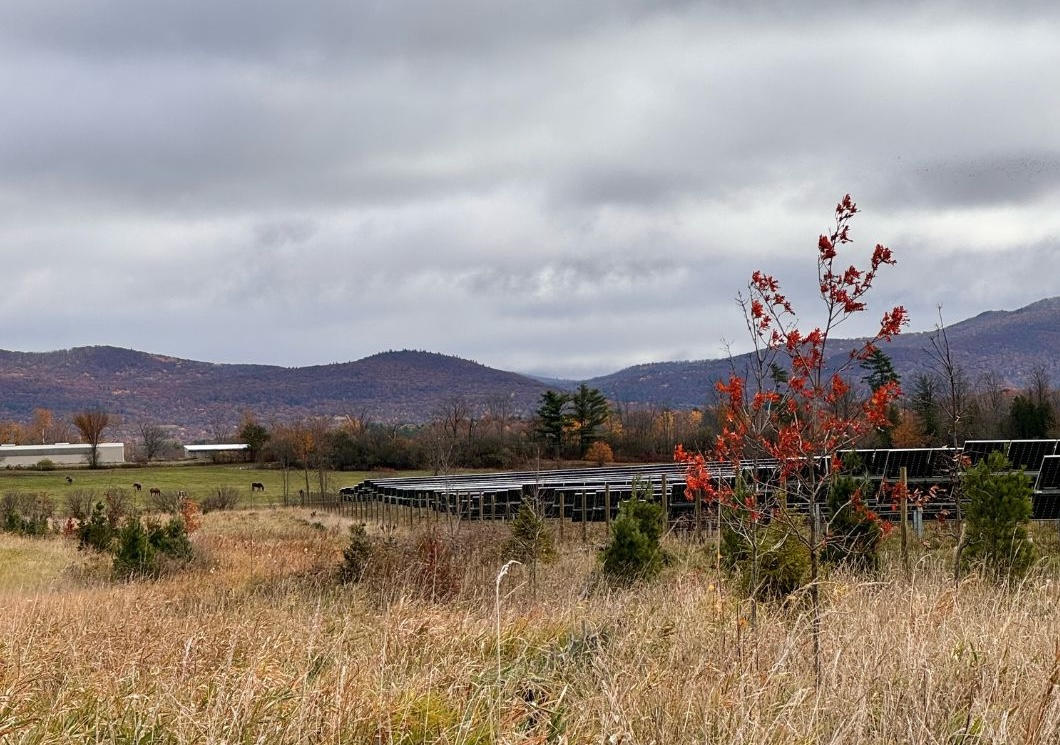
197	480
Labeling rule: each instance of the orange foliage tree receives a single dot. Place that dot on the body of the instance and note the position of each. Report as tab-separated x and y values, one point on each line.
788	419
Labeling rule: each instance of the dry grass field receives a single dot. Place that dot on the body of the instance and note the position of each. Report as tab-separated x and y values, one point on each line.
256	643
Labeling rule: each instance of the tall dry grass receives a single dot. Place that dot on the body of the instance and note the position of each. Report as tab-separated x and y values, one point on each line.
255	644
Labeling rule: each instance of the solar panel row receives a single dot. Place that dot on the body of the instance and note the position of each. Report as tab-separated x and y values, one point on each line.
588	493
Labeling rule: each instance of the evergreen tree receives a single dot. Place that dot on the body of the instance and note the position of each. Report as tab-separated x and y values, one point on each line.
881	373
634	551
553	418
926	405
880	370
999	511
590	411
1029	419
854	538
531	541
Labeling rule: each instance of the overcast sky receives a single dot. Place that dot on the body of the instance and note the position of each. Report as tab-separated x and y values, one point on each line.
553	187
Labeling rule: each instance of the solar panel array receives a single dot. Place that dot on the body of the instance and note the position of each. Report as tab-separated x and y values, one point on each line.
1025	454
977	450
587	493
921	464
1049	474
1029	454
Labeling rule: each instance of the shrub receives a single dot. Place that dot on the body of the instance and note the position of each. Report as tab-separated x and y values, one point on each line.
530	542
854	536
25	513
435	567
771	560
999	511
147	549
165	501
119	504
98	531
190	514
45	464
223	498
600	453
634	551
77	504
357	556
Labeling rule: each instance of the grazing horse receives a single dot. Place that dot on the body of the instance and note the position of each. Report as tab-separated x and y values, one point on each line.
138	487
257	486
155	491
69	479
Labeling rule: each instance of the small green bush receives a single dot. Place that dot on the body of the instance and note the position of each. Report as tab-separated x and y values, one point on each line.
98	531
853	536
357	555
25	513
634	551
531	540
45	464
770	559
998	514
148	549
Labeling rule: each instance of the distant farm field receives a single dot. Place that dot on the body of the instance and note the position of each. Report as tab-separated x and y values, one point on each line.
197	480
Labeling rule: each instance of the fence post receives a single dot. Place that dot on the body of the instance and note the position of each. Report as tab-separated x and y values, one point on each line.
562	510
607	508
585	517
903	514
665	500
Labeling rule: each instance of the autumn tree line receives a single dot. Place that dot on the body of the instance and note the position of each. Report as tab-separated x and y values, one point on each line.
942	407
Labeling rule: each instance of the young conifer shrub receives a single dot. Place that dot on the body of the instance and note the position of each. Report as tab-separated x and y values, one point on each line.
854	535
531	542
357	555
98	531
149	549
998	514
770	561
634	551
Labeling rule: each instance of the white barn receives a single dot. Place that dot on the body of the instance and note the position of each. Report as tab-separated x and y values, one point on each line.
61	454
226	450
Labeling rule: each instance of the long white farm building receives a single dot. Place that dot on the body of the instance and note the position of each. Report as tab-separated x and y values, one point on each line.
61	454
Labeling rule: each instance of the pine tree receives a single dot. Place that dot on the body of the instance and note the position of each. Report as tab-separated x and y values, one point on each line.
854	538
590	411
531	541
553	418
999	511
634	551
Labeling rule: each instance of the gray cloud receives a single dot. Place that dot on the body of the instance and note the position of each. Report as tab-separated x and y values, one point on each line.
552	187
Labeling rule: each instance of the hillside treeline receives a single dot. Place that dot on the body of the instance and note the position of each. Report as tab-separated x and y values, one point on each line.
934	410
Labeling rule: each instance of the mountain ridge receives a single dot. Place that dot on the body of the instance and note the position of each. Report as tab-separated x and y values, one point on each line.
408	386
